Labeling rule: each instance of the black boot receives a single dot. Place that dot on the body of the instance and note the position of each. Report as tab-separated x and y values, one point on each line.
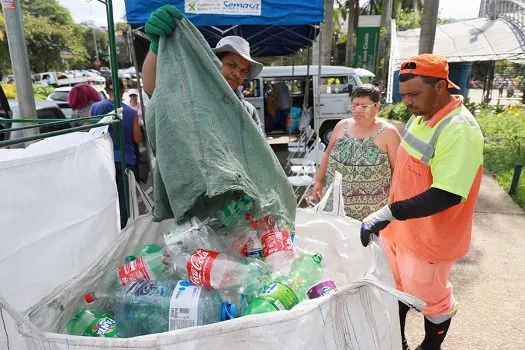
403	310
434	335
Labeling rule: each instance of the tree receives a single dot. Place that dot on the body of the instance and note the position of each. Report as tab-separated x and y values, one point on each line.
429	23
326	32
101	38
50	9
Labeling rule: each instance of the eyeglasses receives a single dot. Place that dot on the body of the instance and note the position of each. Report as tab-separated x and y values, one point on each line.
409	65
235	66
363	108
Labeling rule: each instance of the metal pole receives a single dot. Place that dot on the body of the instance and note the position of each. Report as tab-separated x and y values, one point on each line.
117	95
20	62
515	179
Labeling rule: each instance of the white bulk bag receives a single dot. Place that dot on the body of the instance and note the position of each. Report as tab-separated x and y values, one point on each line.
362	315
59	213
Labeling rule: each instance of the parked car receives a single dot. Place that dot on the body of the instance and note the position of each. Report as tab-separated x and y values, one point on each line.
60	97
44	110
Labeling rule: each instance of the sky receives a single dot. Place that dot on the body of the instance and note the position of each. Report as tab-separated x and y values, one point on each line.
86	10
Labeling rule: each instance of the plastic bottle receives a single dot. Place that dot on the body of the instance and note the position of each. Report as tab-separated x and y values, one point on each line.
148	307
150	267
233	213
321	289
278	251
253	247
192	235
92	321
221	271
147	249
290	289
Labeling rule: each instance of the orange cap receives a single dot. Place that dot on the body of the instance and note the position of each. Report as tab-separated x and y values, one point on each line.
428	65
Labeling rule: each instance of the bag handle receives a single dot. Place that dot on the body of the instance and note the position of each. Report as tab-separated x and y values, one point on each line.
134	190
336	188
403	297
22	323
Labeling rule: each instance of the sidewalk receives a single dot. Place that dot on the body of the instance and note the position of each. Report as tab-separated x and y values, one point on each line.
489	282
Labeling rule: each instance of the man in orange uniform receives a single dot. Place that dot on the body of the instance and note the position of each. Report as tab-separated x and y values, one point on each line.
428	222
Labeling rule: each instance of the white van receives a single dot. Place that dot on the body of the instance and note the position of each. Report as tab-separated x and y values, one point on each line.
337	83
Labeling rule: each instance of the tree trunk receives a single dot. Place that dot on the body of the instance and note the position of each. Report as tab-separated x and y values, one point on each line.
428	26
386	20
326	29
351	21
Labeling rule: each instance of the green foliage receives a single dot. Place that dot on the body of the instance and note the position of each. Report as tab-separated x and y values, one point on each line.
408	19
49	9
505	144
395	111
40	91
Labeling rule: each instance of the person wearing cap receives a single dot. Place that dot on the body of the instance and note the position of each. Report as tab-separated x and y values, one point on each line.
427	224
134	102
232	51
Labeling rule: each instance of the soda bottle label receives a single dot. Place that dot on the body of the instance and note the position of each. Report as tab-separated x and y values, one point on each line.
184	305
253	247
134	270
103	326
199	266
147	288
280	296
276	241
322	289
266	223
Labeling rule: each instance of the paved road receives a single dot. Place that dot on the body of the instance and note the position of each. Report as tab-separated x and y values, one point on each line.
489	282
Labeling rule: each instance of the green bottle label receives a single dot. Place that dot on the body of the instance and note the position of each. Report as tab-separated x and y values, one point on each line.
280	296
103	326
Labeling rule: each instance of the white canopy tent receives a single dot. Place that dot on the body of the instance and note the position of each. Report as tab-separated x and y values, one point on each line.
479	39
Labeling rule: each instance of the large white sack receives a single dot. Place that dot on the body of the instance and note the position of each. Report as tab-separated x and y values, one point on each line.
59	212
362	315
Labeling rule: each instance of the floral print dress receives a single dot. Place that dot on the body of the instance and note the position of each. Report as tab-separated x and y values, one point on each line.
366	173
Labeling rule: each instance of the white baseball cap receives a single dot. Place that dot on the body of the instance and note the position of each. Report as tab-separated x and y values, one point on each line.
133	92
240	46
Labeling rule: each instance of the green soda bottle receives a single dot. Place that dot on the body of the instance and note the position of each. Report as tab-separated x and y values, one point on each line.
90	321
288	290
147	249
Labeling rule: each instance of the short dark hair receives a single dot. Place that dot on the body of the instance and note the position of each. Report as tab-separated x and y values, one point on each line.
432	81
367	90
109	84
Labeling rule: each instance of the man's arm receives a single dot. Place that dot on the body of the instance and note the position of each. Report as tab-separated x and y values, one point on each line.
149	73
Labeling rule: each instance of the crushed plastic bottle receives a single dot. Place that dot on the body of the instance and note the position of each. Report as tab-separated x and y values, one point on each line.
192	235
92	321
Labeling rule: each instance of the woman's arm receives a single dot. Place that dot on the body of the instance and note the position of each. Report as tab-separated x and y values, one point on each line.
321	172
149	73
137	132
392	144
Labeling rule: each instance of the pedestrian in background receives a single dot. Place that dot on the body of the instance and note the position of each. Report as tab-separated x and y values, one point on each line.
81	98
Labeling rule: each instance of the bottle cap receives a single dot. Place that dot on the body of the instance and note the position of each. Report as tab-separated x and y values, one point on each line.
227	311
248	216
129	258
253	224
317	258
89	298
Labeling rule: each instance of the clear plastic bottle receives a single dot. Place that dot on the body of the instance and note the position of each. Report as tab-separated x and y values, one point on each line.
278	250
192	235
233	213
288	290
221	271
147	307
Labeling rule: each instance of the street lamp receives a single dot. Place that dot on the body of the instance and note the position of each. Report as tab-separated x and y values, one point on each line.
91	24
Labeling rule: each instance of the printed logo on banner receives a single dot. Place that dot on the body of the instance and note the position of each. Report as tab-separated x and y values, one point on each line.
223	7
9	4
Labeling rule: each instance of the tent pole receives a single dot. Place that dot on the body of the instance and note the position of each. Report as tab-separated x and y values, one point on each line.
141	99
318	98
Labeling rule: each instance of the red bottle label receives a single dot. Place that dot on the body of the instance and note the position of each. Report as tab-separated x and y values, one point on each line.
276	241
199	266
133	270
266	224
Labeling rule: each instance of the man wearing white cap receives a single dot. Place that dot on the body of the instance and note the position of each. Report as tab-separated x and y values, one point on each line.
232	51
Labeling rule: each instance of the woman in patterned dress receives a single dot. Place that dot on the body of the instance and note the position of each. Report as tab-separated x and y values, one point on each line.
363	149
